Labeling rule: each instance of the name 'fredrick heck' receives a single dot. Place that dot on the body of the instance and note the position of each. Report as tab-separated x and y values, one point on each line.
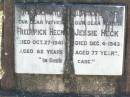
52	31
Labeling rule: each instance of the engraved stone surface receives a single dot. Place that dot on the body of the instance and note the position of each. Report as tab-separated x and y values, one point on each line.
89	42
39	39
99	32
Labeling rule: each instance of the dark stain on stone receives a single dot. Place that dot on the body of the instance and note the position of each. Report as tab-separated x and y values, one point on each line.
69	77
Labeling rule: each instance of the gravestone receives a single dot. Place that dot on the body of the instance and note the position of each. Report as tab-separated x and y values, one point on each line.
84	43
94	37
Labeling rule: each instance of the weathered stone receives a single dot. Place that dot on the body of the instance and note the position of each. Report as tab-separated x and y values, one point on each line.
41	83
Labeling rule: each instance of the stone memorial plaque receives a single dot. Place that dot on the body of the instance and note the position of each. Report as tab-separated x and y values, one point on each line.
39	39
99	32
95	39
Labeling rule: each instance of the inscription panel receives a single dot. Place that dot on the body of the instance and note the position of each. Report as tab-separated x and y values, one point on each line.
39	39
99	32
98	39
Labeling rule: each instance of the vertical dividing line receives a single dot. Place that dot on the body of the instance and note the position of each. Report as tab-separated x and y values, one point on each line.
71	40
69	77
66	33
